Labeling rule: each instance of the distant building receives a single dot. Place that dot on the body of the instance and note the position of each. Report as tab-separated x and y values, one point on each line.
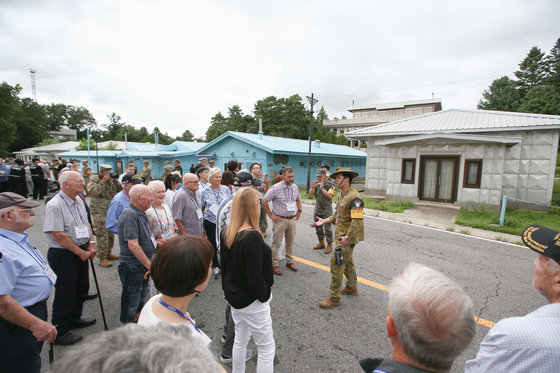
48	151
372	115
64	134
464	157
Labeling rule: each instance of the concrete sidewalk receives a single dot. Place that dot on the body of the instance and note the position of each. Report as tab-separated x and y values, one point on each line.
436	215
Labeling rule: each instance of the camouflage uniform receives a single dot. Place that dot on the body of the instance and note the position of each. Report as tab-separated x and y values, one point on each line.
349	221
323	209
101	193
147	175
86	174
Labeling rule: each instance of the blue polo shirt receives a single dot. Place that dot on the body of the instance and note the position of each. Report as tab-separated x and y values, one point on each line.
116	207
22	270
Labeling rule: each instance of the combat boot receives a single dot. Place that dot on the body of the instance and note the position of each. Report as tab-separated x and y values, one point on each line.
329	303
113	257
320	245
350	291
103	262
329	248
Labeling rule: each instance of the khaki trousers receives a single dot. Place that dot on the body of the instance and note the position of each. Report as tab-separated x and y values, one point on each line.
283	228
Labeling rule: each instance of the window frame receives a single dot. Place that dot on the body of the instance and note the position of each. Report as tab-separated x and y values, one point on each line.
478	174
403	171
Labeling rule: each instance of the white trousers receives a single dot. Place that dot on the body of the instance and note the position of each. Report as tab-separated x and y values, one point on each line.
253	320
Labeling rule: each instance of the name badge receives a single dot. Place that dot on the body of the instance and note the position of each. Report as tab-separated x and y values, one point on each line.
50	274
214	209
82	231
291	206
168	235
199	213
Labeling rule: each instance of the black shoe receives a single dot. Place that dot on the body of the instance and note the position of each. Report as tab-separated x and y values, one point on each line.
81	323
91	296
67	339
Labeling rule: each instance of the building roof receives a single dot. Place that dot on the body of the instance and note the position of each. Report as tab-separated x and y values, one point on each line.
282	145
396	105
146	150
460	121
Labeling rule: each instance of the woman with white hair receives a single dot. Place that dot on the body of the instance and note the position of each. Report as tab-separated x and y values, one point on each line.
211	199
159	215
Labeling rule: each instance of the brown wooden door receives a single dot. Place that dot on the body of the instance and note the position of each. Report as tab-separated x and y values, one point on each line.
438	178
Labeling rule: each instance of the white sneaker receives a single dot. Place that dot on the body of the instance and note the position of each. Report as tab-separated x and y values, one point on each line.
228	360
216	273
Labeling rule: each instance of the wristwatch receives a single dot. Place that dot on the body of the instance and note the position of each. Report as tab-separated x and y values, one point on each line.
299	210
347	238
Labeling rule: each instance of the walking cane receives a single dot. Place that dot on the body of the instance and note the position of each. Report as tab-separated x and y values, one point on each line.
99	294
51	353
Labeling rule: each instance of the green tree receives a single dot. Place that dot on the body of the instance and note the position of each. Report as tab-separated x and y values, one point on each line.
186	136
502	95
83	145
30	123
531	71
541	99
79	118
283	117
114	126
56	116
552	62
9	109
218	126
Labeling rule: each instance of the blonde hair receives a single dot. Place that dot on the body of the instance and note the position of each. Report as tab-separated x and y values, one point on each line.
243	211
214	171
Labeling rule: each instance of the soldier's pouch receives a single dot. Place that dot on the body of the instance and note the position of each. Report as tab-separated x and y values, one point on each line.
357	209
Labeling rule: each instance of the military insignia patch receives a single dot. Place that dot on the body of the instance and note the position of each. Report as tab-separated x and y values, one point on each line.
357	209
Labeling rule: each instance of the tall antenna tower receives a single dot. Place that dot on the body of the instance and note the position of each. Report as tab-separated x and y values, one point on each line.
33	87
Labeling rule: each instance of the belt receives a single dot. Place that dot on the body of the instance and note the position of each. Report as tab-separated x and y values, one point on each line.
43	302
83	247
287	217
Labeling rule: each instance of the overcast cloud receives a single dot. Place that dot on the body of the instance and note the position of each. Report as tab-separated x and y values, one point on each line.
175	64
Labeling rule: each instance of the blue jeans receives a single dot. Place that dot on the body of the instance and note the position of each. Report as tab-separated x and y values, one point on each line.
134	290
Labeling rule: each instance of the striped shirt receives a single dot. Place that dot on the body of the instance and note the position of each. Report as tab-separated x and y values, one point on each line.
280	195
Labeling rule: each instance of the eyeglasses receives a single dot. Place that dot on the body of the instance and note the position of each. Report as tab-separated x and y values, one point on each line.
24	210
193	182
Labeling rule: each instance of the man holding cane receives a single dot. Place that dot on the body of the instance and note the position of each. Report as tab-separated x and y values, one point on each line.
349	230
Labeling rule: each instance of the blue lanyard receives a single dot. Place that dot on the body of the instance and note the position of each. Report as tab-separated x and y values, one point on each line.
160	224
71	213
179	313
286	193
36	257
189	193
217	195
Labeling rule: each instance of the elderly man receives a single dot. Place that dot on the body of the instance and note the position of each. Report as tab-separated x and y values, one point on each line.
120	201
70	240
186	210
323	190
137	245
101	189
349	230
146	173
286	202
429	323
530	343
26	281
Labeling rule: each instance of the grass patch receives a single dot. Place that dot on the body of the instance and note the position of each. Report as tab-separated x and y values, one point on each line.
465	231
370	203
450	228
515	221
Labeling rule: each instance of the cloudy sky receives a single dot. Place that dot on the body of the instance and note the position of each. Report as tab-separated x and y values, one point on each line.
175	64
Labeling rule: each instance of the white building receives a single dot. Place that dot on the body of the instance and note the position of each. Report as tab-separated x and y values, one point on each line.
464	157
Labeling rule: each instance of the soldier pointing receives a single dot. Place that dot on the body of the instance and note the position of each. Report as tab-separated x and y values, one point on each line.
349	230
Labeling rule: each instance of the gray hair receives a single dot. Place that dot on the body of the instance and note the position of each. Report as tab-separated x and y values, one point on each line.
164	347
214	171
65	176
287	169
137	190
552	265
156	183
433	316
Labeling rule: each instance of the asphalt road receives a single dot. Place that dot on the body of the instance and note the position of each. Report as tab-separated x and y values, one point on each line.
498	277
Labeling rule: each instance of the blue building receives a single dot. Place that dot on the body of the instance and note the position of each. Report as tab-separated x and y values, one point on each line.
274	152
156	155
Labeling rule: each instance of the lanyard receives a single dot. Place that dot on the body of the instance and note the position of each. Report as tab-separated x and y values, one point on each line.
286	193
192	199
33	254
166	217
179	313
217	195
71	213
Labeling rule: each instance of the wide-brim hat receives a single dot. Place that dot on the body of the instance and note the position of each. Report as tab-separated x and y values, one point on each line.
543	240
344	170
9	199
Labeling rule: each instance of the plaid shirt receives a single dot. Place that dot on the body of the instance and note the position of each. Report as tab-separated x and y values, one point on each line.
280	195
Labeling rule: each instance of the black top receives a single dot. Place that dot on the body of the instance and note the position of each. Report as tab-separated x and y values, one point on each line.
246	269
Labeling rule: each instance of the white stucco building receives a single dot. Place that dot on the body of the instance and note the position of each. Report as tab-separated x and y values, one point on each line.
464	157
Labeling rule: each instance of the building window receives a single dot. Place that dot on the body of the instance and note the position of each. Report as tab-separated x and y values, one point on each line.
356	143
473	173
408	170
302	164
312	163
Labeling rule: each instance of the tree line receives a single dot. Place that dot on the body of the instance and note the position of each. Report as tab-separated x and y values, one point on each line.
536	88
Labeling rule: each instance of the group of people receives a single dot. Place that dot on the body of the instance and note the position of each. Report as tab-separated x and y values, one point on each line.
176	234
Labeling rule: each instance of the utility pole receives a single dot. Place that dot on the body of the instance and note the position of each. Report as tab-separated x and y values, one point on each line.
33	87
312	102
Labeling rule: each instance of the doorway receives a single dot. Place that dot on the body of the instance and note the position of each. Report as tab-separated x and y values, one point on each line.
438	178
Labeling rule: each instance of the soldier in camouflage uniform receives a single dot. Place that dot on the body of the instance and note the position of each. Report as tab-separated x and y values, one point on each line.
101	189
349	230
323	190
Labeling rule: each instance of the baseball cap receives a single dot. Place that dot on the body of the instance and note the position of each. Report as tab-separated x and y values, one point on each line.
9	199
542	240
131	178
243	179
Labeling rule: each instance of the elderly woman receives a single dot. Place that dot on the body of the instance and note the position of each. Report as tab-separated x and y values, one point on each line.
247	280
159	215
211	198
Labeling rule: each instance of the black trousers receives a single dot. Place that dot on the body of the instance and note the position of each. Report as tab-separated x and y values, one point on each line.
19	350
71	287
210	229
38	188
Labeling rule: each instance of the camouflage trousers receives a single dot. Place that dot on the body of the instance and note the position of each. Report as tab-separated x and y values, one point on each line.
339	271
104	239
263	223
324	231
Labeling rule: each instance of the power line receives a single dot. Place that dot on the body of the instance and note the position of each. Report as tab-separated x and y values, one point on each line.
404	88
